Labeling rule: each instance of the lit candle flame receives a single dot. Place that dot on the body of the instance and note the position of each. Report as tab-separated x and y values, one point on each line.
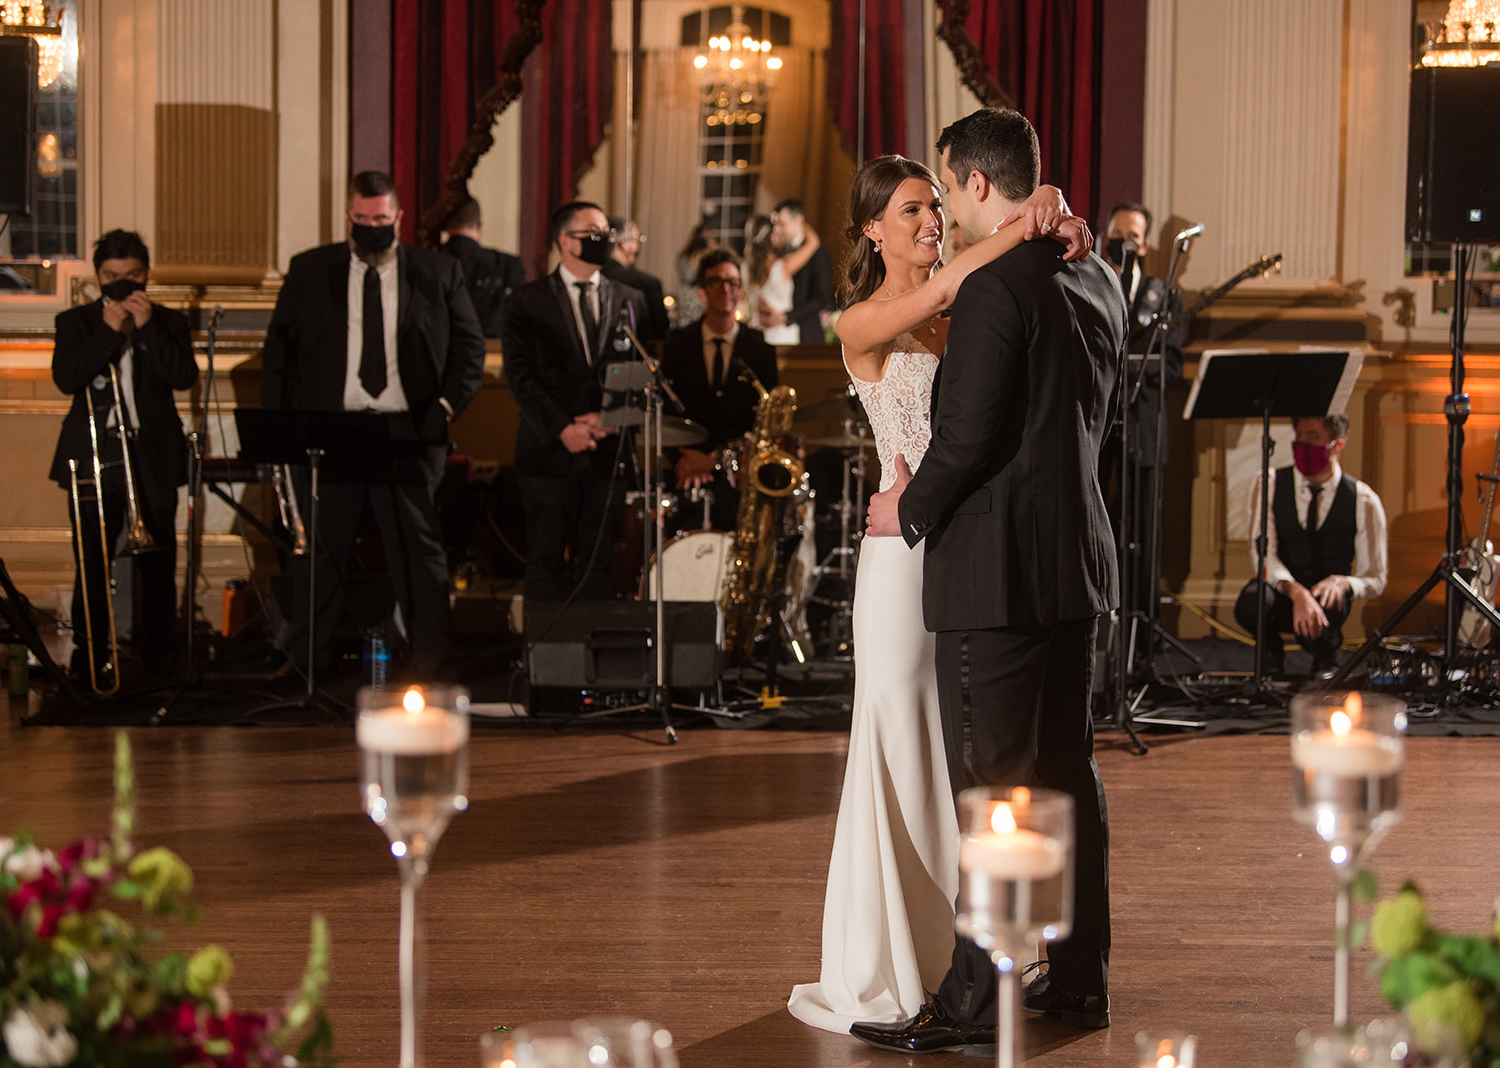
1164	1058
1340	723
1354	707
412	701
1001	819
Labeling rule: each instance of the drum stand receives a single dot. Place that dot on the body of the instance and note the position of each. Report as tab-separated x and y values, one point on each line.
841	627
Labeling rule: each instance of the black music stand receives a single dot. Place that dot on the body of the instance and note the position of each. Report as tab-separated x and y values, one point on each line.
1244	384
355	441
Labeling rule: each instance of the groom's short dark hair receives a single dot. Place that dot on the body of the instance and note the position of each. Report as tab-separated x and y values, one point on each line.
998	143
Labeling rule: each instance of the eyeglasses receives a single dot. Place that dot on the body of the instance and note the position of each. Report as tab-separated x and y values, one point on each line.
721	283
584	235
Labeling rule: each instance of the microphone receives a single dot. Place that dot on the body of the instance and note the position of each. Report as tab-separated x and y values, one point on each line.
1129	251
1190	232
621	343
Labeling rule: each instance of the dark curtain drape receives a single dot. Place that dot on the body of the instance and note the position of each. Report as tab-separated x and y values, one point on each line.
457	64
569	91
1041	57
885	59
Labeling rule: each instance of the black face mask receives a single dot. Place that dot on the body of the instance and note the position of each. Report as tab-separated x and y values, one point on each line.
121	288
1114	250
373	240
595	249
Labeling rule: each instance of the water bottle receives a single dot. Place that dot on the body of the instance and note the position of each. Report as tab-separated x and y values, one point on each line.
377	658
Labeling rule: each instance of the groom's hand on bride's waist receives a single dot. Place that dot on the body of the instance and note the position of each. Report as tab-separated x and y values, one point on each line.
884	519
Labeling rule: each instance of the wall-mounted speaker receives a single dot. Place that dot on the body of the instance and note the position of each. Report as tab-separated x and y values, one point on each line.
18	63
1453	156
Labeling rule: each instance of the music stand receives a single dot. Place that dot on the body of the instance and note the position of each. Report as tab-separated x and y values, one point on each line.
1244	384
357	440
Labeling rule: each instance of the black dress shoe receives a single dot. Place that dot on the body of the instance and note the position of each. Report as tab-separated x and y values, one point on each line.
929	1031
1087	1011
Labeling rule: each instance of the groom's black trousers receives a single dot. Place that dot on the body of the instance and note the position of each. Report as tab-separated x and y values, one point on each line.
1015	708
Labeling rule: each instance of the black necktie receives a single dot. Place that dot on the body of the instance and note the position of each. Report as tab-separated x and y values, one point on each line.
372	348
590	324
719	363
1312	508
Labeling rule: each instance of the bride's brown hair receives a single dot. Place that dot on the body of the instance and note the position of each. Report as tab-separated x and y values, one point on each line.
874	185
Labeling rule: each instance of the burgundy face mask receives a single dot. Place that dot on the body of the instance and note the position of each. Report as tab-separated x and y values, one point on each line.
1310	459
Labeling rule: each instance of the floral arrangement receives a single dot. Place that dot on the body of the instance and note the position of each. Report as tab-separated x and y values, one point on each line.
76	986
1448	985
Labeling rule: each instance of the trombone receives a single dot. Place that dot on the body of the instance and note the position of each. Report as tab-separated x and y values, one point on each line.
137	538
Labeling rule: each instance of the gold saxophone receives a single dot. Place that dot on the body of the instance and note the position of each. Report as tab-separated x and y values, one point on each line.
770	480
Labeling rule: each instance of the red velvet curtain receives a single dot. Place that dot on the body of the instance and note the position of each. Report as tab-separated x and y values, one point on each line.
569	93
456	65
884	124
1042	57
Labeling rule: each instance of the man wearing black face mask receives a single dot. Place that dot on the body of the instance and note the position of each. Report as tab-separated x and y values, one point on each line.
1127	242
558	338
1326	547
152	355
371	325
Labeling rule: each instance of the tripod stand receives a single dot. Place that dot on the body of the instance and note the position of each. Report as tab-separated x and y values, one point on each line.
1449	570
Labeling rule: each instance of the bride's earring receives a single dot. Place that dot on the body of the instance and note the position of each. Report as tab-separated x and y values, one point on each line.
878	248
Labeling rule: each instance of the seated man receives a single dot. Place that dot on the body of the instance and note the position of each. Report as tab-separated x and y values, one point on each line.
705	363
1325	547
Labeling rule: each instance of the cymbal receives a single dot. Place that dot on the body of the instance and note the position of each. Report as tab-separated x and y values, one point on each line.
847	440
832	410
676	431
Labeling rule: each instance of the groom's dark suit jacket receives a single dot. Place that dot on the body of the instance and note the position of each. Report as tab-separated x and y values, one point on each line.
1007	496
551	378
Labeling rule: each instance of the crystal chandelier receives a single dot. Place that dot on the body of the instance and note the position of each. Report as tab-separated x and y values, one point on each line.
737	73
21	19
1467	36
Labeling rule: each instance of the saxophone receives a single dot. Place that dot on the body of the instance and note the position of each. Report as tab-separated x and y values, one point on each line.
770	481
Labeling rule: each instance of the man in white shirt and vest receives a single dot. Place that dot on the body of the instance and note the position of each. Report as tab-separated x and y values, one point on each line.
1325	547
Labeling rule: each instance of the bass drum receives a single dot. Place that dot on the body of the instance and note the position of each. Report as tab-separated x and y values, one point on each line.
695	565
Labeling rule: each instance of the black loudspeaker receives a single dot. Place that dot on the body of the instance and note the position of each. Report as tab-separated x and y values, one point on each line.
18	62
1453	156
609	645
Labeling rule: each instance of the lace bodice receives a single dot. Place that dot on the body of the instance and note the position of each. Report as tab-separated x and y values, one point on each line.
898	406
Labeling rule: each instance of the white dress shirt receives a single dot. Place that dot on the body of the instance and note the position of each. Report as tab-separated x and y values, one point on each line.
708	351
356	398
1368	579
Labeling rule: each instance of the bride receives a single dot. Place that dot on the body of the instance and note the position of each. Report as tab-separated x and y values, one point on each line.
893	875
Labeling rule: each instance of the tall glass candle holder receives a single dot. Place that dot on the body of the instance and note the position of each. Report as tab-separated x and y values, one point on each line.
1347	752
414	776
595	1042
1015	859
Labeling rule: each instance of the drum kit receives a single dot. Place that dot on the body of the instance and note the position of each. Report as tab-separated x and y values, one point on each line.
694	564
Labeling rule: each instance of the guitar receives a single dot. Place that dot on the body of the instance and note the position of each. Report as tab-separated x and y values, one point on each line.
1252	270
1473	628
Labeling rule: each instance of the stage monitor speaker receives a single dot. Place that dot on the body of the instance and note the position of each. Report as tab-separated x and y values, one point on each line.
1453	156
18	63
608	645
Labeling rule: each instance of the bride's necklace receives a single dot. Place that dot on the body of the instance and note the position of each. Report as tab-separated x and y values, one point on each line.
931	323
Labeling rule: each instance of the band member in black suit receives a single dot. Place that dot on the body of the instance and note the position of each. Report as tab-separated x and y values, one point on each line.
149	347
1020	558
371	325
621	267
559	334
489	274
1128	231
705	361
812	285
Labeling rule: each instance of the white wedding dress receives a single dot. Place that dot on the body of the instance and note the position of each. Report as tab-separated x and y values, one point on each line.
777	292
888	911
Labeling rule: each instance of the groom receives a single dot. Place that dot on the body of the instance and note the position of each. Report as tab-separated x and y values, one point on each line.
1020	559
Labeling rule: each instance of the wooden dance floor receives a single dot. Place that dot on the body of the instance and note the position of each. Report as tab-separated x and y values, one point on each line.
608	873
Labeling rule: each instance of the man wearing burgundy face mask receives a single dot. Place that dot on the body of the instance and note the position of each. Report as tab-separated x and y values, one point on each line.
370	325
1326	547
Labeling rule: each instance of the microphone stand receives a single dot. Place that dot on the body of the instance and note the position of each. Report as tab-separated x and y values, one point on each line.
659	696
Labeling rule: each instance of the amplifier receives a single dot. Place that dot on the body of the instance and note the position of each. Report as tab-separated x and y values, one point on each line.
610	645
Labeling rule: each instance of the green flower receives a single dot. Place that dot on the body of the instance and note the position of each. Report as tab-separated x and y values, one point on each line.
1399	924
208	968
162	874
1442	1014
